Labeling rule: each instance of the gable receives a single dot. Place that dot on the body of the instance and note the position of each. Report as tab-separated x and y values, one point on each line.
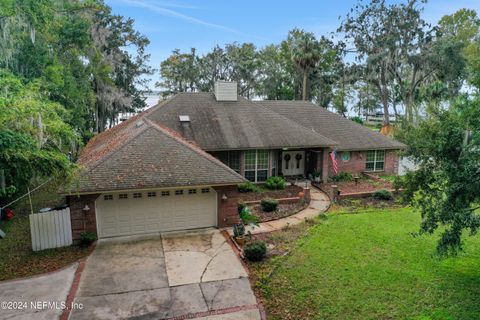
154	158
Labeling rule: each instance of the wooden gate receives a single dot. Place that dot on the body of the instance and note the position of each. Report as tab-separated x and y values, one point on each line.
51	229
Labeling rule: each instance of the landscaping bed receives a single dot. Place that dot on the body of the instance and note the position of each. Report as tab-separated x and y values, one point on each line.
365	266
288	192
364	185
283	210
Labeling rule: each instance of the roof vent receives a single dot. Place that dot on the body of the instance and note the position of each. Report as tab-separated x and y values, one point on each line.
226	90
184	118
139	123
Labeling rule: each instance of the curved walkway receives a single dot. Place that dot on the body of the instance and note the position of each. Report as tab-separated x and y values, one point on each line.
319	203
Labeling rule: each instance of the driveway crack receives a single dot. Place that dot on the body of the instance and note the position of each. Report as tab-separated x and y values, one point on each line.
216	293
210	261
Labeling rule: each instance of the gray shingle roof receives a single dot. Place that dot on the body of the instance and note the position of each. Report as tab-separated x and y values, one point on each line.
149	156
242	124
348	134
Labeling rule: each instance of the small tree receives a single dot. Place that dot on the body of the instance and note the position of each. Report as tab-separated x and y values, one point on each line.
446	145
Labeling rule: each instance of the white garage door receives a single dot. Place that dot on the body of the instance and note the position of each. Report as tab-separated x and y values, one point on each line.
157	210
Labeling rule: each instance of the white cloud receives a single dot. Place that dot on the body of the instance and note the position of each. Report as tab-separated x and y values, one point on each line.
175	14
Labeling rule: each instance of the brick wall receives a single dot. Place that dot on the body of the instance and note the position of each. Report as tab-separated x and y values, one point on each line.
356	164
227	213
82	220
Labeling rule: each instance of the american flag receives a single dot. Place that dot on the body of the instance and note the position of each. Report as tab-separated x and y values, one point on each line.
333	156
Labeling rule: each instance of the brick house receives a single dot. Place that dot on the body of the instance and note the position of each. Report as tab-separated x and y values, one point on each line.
176	165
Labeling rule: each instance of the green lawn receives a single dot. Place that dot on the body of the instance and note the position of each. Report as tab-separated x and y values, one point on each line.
367	266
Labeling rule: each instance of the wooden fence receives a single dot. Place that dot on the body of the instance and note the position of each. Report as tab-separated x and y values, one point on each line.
51	229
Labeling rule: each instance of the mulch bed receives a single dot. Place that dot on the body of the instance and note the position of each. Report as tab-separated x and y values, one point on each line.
288	192
364	185
283	210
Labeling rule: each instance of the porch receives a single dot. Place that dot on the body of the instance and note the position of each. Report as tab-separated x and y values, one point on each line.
259	164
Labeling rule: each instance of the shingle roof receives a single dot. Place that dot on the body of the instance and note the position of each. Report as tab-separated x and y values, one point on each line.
147	155
348	134
241	124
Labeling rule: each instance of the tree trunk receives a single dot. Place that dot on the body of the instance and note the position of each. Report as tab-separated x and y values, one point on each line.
304	88
384	95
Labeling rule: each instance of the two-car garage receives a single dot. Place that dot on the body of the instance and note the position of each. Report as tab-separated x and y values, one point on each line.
139	212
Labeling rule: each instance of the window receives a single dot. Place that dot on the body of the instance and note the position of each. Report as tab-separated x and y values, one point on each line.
108	197
230	158
151	194
375	160
192	191
165	193
178	192
137	195
346	156
256	165
205	190
123	196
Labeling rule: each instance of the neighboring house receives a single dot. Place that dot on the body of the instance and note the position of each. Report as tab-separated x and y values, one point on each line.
176	165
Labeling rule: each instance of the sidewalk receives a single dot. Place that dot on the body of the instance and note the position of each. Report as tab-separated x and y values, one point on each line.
319	203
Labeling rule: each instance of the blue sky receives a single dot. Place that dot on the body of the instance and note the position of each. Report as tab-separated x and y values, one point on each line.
182	24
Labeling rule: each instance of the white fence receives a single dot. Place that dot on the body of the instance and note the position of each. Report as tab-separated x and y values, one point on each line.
51	229
405	165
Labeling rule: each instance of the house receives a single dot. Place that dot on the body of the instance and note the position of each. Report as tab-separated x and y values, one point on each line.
176	165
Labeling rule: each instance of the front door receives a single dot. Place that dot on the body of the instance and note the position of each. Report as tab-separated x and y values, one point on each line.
293	163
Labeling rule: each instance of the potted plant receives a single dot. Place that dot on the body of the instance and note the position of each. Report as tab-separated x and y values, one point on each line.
246	218
316	176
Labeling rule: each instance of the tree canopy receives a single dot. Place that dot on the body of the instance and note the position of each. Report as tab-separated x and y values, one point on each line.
67	69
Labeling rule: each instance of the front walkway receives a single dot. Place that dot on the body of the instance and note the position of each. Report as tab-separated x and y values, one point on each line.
319	203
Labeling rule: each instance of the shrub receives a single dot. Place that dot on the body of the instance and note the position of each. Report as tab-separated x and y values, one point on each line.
269	205
410	183
241	205
87	238
343	176
247	187
275	183
247	217
357	119
382	195
255	250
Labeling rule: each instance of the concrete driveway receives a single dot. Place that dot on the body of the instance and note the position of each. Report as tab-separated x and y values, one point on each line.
165	276
51	287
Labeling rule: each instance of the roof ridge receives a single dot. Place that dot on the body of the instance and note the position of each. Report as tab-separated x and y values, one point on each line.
294	122
158	105
177	137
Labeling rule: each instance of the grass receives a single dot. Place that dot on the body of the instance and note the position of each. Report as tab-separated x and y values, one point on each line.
16	256
367	266
388	177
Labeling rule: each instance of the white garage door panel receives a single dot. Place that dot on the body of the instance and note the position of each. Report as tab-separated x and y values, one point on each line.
130	216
